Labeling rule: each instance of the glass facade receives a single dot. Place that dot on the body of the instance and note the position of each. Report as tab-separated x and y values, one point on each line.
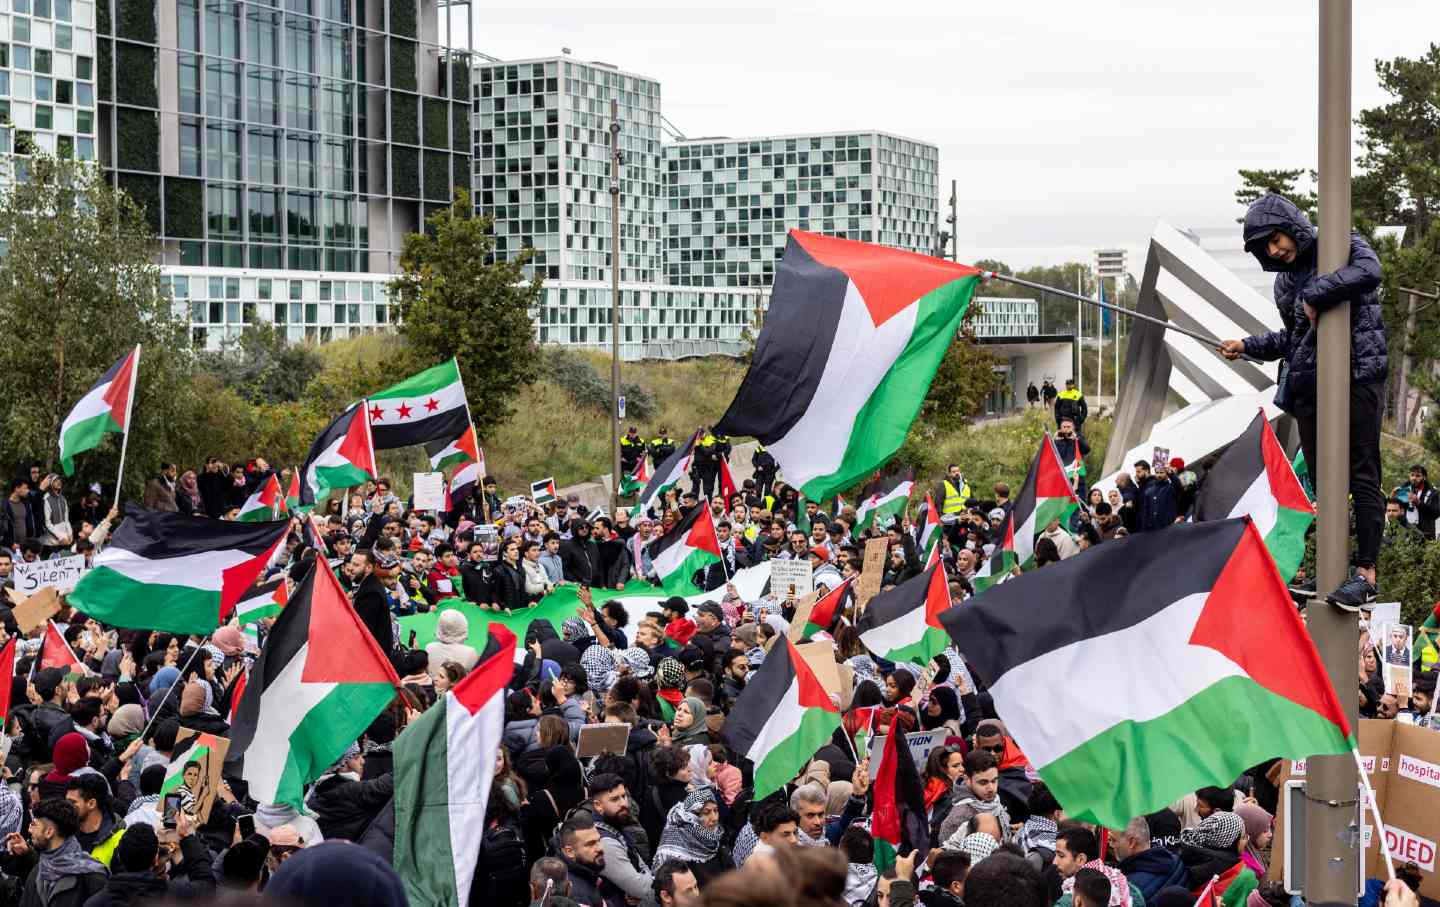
47	78
1002	316
311	307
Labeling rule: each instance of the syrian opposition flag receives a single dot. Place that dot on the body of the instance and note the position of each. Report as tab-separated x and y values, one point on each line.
636	481
429	406
897	791
190	751
781	718
341	456
903	623
851	341
1198	611
456	451
265	505
55	652
261	601
883	500
1253	478
175	573
105	409
444	766
929	539
319	682
829	609
667	474
1045	496
689	545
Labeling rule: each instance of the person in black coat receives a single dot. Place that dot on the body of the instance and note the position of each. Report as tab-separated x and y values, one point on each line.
368	595
133	879
343	804
580	556
506	578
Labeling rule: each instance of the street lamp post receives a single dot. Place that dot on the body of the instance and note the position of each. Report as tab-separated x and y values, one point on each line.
614	305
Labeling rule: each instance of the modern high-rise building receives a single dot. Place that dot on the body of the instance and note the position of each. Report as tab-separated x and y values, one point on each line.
47	78
282	150
731	202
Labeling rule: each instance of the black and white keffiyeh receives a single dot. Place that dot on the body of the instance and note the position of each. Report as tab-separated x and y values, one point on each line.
686	836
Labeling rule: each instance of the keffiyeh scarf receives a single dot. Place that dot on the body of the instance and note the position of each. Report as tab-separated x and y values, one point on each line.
1037	832
1217	831
1119	886
685	836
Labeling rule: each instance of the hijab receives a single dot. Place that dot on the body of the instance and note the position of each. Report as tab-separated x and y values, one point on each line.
685	836
949	708
1257	822
698	732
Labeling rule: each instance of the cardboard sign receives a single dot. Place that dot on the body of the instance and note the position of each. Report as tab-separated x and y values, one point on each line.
1406	847
595	739
920	744
204	785
871	571
804	607
429	490
38	608
1420	770
543	491
820	656
62	573
791	576
1159	458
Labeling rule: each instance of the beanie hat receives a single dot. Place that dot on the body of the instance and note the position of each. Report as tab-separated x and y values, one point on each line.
137	848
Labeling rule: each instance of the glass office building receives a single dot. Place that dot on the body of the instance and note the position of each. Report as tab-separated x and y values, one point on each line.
284	144
47	78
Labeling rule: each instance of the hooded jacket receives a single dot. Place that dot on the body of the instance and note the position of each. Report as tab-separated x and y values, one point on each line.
1297	284
344	805
1153	869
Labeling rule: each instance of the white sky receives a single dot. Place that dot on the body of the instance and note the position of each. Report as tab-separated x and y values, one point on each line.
1069	126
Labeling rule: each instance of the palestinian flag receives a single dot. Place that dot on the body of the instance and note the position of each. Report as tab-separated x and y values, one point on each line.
1302	472
903	623
865	715
429	406
929	520
827	610
781	718
292	494
897	790
192	750
689	545
319	682
464	449
636	481
175	573
838	506
237	692
1253	478
465	480
265	505
1045	496
883	500
444	765
105	409
7	676
666	475
851	341
341	456
55	652
262	600
1199	611
727	482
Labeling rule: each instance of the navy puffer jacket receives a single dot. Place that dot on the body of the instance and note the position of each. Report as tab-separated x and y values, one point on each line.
1296	284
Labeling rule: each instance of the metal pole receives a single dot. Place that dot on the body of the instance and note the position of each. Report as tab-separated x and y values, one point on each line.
1331	783
1080	333
954	226
1402	403
614	305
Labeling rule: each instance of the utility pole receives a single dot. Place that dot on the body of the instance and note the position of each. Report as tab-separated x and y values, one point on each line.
615	477
954	222
1080	333
1331	782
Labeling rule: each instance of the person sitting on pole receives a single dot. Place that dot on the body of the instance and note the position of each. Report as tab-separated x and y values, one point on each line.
1284	241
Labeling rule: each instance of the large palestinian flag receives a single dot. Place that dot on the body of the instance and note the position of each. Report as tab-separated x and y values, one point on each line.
851	341
666	475
319	682
1200	615
884	500
175	573
781	718
455	452
429	406
903	623
1253	478
1045	496
265	505
105	409
689	545
444	765
341	456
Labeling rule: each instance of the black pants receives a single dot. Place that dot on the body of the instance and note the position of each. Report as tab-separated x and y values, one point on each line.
1369	500
706	477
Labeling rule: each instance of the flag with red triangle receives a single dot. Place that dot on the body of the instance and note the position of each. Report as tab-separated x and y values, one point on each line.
903	623
1046	495
7	677
265	505
55	652
292	494
727	483
828	609
896	789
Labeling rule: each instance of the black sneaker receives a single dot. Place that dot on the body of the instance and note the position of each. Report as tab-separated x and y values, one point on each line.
1302	593
1354	594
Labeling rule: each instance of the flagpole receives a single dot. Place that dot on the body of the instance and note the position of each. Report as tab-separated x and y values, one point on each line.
129	414
1369	794
479	480
155	713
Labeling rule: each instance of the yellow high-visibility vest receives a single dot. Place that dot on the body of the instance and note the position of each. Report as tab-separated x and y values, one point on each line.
955	500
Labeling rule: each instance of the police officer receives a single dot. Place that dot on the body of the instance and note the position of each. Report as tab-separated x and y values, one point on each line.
765	469
632	450
1070	404
661	447
953	492
705	464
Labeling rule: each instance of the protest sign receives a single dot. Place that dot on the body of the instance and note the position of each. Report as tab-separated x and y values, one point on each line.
62	573
429	490
543	491
820	656
791	577
204	784
804	607
38	608
1159	457
872	571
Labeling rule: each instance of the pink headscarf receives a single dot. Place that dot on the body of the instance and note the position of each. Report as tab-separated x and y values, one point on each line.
727	778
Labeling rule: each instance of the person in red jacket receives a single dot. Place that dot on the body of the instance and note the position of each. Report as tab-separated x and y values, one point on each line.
445	575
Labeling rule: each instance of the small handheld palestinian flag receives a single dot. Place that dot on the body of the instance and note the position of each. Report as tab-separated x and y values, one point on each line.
464	481
464	449
543	491
636	481
829	608
262	600
319	682
897	791
1046	495
929	521
903	623
55	652
429	406
266	505
444	766
727	482
851	342
1199	610
175	573
781	718
341	456
292	493
689	545
1253	478
105	409
883	500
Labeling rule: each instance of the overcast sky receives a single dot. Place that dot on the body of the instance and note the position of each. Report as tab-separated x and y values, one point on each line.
1069	126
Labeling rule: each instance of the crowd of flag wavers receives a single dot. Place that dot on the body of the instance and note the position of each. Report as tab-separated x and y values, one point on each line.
299	686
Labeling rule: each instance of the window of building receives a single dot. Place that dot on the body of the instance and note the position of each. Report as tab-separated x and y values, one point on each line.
263	158
222	145
262	96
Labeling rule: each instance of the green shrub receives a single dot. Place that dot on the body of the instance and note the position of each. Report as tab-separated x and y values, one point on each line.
402	64
184	207
404	111
136	75
589	391
138	145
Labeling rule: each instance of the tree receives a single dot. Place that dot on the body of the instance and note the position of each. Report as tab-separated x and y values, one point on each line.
1256	184
79	287
1401	160
456	300
262	367
963	381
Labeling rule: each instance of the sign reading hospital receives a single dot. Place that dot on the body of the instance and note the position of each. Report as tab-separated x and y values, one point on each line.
1418	770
